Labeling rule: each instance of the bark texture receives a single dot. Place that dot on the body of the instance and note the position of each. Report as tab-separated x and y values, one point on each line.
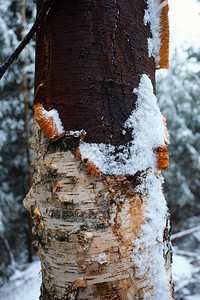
90	55
84	234
86	226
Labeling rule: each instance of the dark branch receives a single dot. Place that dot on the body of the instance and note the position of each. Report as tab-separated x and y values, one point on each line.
45	7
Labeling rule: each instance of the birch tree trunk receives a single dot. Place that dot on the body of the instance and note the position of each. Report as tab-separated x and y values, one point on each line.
97	202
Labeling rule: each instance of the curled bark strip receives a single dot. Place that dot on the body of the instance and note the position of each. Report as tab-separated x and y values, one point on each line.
163	158
37	211
38	220
73	288
29	201
37	90
81	282
164	36
90	167
47	123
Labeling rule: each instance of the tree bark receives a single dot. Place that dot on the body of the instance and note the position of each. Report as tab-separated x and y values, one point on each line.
86	226
96	236
92	54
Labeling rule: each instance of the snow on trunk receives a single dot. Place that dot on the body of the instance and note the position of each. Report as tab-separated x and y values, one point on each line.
148	246
148	132
153	16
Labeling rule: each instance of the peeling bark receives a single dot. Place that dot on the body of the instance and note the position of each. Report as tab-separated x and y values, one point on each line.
86	226
89	224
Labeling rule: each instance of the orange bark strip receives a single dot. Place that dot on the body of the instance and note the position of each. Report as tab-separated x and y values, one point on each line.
164	37
77	153
46	123
37	211
38	218
56	186
41	226
163	158
78	283
37	90
172	291
92	169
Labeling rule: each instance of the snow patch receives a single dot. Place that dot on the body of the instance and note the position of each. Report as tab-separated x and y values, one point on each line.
148	246
193	297
89	234
182	269
101	259
152	16
76	133
148	132
57	121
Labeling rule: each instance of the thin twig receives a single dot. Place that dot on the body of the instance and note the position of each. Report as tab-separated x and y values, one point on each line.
45	7
184	233
186	253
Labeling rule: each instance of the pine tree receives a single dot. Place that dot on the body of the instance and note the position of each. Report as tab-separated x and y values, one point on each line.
13	163
178	95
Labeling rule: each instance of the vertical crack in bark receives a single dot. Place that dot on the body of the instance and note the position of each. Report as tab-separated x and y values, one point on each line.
115	31
114	65
124	94
102	115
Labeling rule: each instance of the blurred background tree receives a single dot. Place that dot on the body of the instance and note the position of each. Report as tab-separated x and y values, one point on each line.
178	92
14	168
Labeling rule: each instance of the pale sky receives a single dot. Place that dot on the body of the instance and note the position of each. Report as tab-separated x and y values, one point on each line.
184	23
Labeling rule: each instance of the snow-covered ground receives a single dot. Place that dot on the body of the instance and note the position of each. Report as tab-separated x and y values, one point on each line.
186	275
25	285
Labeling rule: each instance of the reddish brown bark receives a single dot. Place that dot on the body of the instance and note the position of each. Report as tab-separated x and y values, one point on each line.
90	55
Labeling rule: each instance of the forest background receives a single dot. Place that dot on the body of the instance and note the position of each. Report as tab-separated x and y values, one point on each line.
178	93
